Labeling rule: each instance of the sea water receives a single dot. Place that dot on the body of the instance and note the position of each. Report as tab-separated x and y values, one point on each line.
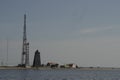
60	74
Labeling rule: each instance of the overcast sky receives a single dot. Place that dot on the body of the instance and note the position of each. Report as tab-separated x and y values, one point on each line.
85	32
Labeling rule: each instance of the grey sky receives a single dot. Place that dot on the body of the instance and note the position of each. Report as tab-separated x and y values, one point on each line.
85	32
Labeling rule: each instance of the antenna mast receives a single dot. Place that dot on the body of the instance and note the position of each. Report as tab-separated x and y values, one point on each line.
25	47
7	53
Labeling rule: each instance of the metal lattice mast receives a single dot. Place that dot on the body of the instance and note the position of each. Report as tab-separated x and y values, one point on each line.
25	47
27	55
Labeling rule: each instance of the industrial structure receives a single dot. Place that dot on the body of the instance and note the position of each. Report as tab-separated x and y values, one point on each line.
37	59
25	47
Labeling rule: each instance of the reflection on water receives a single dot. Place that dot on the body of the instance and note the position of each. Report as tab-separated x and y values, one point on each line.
63	74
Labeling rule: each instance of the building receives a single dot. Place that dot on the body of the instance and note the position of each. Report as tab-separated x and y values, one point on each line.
52	64
72	65
37	59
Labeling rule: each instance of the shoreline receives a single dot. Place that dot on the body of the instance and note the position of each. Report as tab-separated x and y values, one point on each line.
46	68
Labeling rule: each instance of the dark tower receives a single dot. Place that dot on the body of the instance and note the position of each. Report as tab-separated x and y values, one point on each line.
25	47
37	60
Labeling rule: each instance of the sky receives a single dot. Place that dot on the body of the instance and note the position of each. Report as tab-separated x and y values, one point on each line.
85	32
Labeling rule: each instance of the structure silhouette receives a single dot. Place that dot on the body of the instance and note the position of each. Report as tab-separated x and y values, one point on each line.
37	59
25	47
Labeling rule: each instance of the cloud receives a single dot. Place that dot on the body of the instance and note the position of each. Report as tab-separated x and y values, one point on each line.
94	30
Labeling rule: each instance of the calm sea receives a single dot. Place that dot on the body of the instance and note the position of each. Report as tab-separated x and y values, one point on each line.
57	74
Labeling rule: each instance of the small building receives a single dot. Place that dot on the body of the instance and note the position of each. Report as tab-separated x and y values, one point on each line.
37	60
72	65
52	64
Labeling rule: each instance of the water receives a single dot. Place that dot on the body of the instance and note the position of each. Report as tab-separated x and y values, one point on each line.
60	74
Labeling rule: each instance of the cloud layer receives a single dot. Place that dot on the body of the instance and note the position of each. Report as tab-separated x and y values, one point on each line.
94	30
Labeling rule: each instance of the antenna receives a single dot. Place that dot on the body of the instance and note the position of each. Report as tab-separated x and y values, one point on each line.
1	56
7	53
25	47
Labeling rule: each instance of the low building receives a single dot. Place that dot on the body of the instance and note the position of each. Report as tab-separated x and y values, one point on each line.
52	64
72	65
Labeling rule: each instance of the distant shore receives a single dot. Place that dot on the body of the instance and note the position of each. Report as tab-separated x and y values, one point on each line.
44	68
